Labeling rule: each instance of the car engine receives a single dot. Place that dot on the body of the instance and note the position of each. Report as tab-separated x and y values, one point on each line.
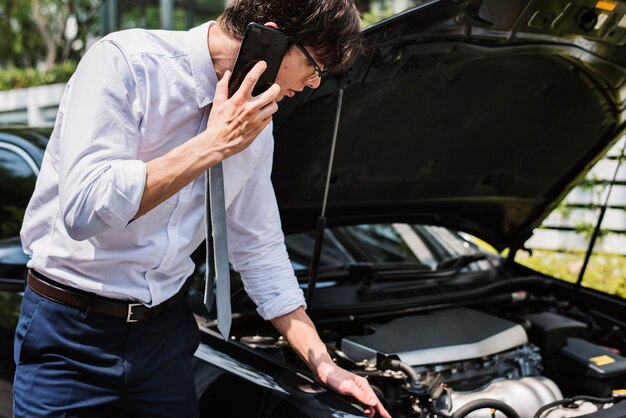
462	362
478	355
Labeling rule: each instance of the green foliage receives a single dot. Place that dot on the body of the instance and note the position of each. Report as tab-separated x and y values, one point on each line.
605	272
562	265
564	209
140	16
587	228
587	183
376	14
16	78
22	44
50	31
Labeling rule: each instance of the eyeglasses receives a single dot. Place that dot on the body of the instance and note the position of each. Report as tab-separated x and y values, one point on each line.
318	71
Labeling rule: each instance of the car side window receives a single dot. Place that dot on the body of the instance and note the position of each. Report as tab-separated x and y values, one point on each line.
17	182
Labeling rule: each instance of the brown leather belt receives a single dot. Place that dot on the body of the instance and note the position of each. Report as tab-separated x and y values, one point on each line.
129	312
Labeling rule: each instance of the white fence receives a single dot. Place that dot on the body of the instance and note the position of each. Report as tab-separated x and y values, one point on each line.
34	106
569	228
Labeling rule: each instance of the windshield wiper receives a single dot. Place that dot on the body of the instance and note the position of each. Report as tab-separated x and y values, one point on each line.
385	266
458	262
449	267
363	268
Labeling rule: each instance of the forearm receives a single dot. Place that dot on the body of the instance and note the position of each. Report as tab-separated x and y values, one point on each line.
298	329
168	174
232	126
302	336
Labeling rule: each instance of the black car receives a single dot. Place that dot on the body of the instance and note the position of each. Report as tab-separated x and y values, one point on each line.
21	153
462	117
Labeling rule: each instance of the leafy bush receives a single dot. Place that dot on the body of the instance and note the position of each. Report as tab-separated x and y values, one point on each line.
372	16
606	272
17	78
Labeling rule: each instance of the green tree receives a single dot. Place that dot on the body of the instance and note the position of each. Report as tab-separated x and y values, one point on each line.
48	30
372	16
64	26
22	45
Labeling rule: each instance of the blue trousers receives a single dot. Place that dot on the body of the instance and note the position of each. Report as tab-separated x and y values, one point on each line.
75	363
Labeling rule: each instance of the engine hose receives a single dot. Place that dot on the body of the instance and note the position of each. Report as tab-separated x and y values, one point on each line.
485	403
571	400
406	369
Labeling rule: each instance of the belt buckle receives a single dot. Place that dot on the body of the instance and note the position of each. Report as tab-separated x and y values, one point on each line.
130	312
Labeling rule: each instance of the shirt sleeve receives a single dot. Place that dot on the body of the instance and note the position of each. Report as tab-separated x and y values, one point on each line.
101	180
257	246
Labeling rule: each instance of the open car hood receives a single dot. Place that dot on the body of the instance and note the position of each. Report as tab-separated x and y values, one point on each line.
475	115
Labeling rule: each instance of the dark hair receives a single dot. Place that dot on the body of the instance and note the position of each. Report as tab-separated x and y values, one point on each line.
330	27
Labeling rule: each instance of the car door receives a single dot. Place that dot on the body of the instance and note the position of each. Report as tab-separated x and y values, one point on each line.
18	174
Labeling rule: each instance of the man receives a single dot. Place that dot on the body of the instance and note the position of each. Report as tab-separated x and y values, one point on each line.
118	209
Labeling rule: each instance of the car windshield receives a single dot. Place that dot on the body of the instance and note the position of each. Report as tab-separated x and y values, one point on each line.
395	244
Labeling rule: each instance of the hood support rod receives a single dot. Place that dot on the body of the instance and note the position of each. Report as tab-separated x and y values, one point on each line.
321	220
596	230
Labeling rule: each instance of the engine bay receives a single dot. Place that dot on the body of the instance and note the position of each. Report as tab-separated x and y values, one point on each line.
468	360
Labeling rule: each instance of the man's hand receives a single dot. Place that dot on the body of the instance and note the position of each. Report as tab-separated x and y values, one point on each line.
298	329
232	126
349	384
235	122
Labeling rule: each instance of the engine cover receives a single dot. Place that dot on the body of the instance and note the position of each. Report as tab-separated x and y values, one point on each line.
437	337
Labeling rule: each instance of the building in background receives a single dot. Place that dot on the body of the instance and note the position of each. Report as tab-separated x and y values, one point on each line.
155	14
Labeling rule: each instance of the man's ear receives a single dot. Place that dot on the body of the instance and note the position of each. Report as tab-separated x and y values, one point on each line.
271	25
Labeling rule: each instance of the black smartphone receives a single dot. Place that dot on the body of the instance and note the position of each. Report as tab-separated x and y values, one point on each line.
259	43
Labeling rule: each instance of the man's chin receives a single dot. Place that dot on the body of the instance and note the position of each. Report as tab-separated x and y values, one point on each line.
285	93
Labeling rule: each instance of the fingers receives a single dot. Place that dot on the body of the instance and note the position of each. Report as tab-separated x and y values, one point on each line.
240	118
382	412
268	95
261	119
358	387
364	393
268	110
251	78
221	89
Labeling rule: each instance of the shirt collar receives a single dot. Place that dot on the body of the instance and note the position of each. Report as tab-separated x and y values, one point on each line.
202	65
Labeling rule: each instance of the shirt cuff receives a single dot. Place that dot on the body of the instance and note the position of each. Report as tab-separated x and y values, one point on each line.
127	179
281	304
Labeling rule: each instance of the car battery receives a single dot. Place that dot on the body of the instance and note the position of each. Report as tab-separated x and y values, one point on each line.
550	331
589	369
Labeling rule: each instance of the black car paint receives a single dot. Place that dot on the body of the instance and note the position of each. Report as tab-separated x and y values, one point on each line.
225	372
30	144
459	114
22	155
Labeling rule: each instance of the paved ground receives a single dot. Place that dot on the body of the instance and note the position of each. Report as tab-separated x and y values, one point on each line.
6	399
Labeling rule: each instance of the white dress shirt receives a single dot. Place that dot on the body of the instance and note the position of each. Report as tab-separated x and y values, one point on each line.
136	95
